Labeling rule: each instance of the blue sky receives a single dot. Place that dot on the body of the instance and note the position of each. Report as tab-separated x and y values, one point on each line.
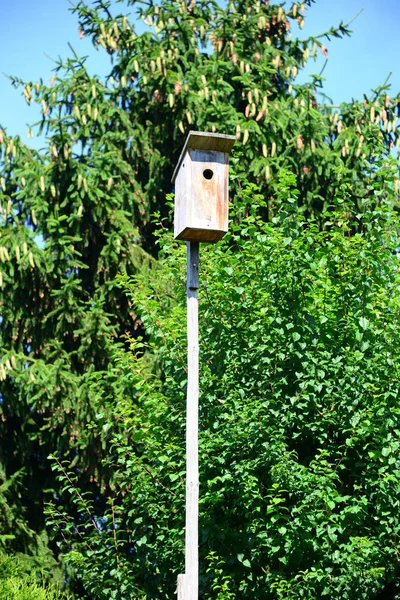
360	62
34	33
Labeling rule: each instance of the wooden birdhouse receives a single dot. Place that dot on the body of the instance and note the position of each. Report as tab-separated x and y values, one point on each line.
201	187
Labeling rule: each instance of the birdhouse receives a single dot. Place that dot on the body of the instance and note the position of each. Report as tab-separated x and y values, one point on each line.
201	187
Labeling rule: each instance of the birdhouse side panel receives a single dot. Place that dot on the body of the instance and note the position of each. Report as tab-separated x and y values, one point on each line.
182	207
209	181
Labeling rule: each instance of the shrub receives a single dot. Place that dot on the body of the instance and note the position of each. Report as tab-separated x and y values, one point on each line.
299	415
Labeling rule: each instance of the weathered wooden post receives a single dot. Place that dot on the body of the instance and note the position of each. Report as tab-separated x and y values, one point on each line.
201	215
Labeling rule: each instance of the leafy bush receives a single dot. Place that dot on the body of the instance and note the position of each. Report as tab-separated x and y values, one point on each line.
16	584
76	214
299	415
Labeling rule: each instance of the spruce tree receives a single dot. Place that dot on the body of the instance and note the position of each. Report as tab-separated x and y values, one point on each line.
77	214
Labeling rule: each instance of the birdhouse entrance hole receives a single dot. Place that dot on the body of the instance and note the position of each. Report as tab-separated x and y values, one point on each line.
208	174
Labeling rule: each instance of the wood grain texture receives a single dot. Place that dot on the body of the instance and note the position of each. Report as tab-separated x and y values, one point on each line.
201	196
203	140
188	586
193	266
181	587
192	419
198	235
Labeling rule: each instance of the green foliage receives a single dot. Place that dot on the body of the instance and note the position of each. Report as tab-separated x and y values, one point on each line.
299	419
75	216
31	546
97	559
17	584
233	67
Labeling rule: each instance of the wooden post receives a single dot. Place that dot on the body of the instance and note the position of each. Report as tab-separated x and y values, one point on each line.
200	215
188	586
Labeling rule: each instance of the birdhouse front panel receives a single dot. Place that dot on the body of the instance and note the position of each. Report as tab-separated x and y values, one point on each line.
201	188
201	196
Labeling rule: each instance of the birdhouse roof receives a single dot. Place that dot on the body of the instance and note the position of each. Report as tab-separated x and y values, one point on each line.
203	140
